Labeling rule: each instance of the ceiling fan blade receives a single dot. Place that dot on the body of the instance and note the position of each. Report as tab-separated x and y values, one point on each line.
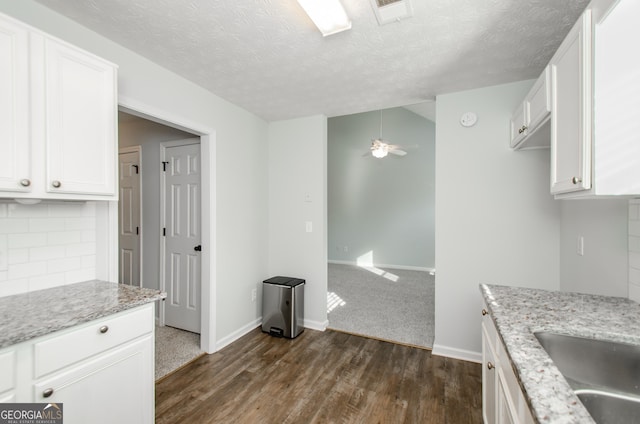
397	152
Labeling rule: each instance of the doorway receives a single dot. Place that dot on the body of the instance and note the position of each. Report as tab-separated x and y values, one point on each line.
129	216
180	195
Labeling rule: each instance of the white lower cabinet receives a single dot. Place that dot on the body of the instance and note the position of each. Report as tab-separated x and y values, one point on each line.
106	376
502	399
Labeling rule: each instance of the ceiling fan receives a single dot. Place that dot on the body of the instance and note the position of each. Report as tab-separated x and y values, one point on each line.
380	148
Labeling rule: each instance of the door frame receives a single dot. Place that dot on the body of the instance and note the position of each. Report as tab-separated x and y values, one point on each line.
136	149
163	219
207	135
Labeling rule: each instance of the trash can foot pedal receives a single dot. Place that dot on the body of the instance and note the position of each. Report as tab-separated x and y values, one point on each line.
277	332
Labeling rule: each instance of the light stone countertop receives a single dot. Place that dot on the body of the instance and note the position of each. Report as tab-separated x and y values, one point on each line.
30	315
520	312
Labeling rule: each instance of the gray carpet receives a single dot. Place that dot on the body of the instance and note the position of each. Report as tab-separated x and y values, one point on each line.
174	348
361	301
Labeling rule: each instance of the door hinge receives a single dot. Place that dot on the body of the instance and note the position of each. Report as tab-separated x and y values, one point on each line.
164	166
137	230
137	168
164	232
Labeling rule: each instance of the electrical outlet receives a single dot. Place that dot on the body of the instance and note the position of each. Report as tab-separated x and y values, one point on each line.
254	295
580	247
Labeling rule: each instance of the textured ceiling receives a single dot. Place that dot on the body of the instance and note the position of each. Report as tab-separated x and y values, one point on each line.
267	57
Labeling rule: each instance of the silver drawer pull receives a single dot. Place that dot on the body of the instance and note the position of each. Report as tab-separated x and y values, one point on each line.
490	365
47	392
484	312
576	180
56	184
25	182
104	329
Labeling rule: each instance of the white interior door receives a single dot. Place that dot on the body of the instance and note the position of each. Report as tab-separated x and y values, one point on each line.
182	234
129	217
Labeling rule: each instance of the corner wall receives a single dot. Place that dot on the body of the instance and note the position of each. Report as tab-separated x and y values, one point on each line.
496	222
297	196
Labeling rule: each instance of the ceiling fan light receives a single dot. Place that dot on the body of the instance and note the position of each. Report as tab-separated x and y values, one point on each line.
328	15
380	151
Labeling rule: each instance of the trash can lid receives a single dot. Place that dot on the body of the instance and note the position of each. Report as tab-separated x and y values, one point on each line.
284	281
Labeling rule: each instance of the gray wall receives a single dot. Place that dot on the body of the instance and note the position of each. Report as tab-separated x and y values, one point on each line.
149	135
384	206
497	222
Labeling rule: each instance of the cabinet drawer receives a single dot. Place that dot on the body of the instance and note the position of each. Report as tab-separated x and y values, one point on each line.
89	339
7	370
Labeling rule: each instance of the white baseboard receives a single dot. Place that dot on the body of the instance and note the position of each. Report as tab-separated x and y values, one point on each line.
452	352
388	266
226	341
316	325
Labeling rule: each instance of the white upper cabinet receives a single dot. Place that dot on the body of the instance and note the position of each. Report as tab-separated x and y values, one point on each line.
528	128
80	121
58	120
595	146
571	96
14	107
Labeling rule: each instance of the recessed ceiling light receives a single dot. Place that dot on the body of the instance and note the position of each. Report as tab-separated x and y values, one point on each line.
328	15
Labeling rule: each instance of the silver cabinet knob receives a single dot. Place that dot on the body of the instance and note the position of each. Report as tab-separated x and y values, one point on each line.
47	392
56	184
25	182
490	365
523	129
576	180
484	312
104	329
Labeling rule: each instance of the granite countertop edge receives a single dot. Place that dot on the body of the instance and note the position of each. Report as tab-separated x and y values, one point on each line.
38	313
518	313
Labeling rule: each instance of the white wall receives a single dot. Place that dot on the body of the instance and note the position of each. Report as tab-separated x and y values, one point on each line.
383	206
238	173
495	220
149	135
298	194
603	225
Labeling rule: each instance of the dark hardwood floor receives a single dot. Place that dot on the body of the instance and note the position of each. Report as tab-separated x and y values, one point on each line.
321	377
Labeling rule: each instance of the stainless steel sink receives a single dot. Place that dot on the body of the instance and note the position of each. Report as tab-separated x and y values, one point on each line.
605	375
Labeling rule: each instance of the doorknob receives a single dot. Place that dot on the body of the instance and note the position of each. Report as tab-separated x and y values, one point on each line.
198	248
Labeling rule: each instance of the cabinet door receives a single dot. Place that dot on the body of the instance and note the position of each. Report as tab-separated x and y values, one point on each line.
115	387
519	121
507	414
80	121
538	101
489	378
14	107
571	99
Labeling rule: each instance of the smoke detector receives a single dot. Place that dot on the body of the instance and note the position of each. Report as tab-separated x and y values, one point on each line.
391	10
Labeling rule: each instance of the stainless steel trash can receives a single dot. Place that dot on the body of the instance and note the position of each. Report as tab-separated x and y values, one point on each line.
283	306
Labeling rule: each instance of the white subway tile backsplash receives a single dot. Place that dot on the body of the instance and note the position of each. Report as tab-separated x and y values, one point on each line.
634	244
88	261
634	276
49	244
48	281
46	253
79	275
83	223
634	228
57	238
17	241
80	249
62	265
11	287
42	225
28	211
26	270
14	225
18	256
